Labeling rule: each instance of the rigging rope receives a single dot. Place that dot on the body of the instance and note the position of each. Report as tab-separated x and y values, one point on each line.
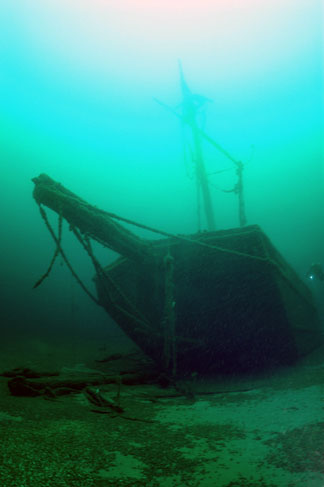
61	251
103	277
181	237
56	253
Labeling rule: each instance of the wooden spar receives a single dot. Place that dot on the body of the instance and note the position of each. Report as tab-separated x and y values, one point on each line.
89	220
238	189
202	180
189	117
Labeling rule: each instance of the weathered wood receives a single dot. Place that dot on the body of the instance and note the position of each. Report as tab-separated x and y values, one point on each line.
236	304
244	309
91	221
57	386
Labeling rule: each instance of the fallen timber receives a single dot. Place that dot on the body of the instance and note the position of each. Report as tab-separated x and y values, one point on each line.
217	301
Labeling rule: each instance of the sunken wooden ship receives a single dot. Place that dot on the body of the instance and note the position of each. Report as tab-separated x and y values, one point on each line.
213	301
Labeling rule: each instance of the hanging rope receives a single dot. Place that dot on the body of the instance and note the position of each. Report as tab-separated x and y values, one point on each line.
60	250
56	253
185	239
190	240
132	312
104	278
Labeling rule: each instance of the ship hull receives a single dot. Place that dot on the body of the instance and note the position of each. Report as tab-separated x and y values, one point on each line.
238	305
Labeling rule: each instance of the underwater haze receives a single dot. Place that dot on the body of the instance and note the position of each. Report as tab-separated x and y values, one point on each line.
113	99
78	83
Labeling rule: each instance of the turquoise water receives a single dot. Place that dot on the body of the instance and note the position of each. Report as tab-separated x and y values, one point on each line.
76	102
78	83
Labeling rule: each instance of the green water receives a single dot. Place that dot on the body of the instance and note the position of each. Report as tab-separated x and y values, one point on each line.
76	102
77	86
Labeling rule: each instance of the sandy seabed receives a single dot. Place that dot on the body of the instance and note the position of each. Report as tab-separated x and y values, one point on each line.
265	431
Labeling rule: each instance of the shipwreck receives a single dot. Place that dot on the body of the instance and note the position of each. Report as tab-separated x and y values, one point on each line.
212	301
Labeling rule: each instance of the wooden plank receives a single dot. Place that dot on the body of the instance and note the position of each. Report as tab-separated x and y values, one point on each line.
88	219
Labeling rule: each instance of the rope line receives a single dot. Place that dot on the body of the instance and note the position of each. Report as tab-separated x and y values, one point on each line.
103	277
56	253
181	237
61	251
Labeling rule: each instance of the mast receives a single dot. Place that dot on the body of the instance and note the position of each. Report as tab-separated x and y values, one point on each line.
238	188
191	105
239	191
